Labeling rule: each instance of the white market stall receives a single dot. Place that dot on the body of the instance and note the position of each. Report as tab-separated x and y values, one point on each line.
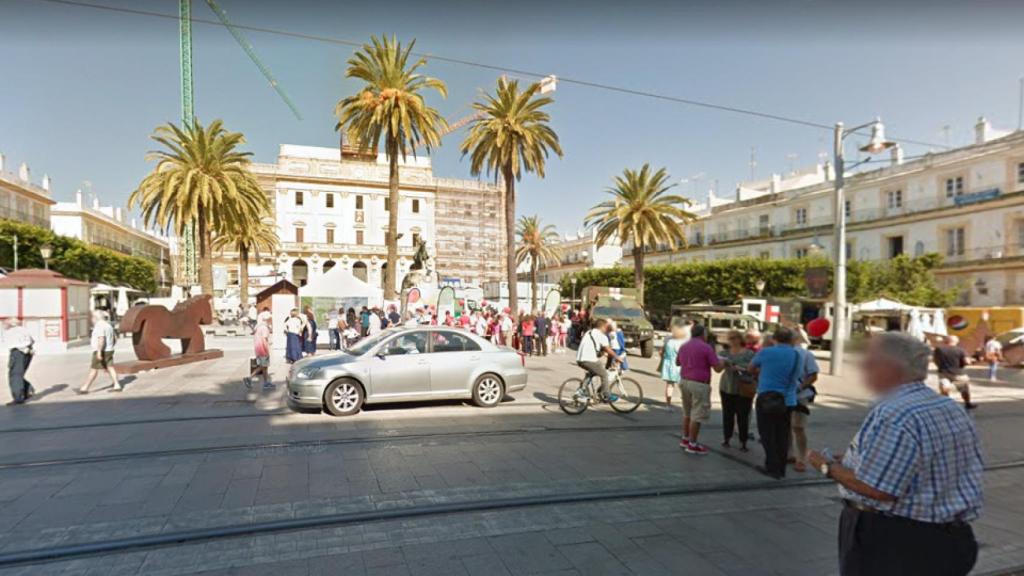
884	314
54	309
337	289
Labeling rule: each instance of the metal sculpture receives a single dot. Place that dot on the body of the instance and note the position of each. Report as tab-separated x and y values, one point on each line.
149	325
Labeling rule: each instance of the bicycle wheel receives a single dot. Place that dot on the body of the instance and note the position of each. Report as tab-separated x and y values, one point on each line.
572	397
629	393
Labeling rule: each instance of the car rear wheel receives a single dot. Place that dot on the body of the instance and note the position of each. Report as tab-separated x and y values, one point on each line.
488	391
343	398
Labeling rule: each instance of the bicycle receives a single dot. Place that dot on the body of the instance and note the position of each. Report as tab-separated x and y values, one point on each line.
576	395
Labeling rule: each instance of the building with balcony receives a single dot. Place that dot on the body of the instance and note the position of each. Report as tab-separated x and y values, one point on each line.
109	227
21	199
966	204
579	251
332	209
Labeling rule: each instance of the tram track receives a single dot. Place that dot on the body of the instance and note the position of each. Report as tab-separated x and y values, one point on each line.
322	442
187	536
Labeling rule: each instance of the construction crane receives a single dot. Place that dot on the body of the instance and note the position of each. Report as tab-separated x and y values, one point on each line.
187	101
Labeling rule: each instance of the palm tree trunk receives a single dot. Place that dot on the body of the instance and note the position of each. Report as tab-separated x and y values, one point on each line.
393	205
510	239
638	272
533	283
205	262
243	275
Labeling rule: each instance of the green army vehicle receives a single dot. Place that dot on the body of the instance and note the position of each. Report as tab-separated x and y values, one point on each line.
620	305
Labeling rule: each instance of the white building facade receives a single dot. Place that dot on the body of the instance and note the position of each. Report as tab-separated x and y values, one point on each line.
578	252
966	204
23	200
333	211
109	227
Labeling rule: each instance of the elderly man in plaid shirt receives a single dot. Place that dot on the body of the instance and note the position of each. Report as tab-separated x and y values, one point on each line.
911	479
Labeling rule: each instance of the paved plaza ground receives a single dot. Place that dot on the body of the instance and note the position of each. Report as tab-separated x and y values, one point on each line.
431	488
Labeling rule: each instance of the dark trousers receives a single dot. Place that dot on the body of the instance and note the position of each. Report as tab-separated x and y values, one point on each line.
17	366
335	339
527	344
774	432
736	412
540	347
873	544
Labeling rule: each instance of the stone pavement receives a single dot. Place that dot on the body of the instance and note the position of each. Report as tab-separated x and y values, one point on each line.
187	448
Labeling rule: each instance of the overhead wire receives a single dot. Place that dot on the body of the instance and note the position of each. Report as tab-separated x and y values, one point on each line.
498	68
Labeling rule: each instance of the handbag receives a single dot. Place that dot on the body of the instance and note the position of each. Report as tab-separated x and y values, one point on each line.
747	383
775	402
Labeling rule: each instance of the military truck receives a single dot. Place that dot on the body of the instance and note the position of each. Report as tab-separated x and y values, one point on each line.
620	305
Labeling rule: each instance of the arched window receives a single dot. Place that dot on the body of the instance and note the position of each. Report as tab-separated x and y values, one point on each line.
359	270
300	272
328	265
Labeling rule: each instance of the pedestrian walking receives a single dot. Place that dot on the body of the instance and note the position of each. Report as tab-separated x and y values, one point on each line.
102	341
801	414
333	333
394	318
252	316
911	478
310	333
950	361
507	328
618	340
261	357
669	350
696	360
527	330
736	388
20	350
993	355
364	321
777	369
541	331
374	323
293	327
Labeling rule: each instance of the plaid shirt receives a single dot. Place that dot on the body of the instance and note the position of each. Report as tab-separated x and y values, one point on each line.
921	448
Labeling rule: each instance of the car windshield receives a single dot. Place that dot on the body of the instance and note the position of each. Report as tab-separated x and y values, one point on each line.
364	345
618	312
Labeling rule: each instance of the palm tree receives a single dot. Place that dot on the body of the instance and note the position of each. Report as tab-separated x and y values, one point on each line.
391	106
200	179
511	134
260	238
536	242
642	213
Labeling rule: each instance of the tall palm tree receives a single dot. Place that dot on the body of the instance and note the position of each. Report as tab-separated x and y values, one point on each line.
510	135
200	178
390	105
538	243
642	213
260	238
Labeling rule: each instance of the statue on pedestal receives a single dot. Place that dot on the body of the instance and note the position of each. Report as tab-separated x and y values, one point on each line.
422	276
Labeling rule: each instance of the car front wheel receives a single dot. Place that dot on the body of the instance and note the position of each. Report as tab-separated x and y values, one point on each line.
343	398
488	391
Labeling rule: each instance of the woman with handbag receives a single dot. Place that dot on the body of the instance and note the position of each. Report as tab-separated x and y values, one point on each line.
737	389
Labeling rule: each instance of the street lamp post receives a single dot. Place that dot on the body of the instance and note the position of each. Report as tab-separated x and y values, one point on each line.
573	281
46	251
760	284
878	143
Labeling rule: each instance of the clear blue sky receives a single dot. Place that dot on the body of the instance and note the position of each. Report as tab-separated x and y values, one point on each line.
81	89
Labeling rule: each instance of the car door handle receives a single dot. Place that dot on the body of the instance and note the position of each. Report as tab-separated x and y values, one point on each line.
474	357
421	361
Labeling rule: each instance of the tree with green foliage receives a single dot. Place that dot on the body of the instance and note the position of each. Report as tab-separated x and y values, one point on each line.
641	212
74	258
200	179
390	106
260	238
908	280
537	242
511	134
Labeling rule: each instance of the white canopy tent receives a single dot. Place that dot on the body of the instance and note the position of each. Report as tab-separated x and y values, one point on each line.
340	283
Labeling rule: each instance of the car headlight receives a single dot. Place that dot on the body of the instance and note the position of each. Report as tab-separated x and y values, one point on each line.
309	373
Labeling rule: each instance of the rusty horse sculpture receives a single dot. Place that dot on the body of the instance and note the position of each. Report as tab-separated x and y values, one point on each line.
150	324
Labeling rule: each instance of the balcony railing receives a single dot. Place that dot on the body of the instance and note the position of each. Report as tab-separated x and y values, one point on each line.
321	247
983	253
22	216
16	181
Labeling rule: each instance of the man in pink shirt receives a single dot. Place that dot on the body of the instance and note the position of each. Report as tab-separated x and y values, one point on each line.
261	349
696	359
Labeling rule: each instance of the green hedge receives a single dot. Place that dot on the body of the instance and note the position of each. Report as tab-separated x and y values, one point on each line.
74	258
909	280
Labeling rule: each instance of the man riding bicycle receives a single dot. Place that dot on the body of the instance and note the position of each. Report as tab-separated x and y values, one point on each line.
593	345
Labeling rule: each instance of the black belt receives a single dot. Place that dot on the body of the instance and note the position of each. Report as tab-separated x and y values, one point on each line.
860	507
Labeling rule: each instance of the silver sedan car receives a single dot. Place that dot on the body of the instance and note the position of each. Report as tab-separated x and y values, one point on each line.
407	364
